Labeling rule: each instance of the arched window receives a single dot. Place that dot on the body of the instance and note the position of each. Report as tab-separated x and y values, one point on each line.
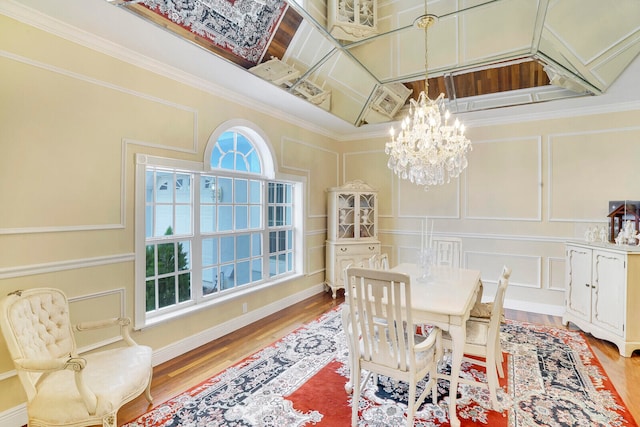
233	151
213	230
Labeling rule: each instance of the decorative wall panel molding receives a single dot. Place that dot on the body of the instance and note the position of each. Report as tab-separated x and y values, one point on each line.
67	183
579	186
527	269
52	267
370	166
312	161
504	180
556	273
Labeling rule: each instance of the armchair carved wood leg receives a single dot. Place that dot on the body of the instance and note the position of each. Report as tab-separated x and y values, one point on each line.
110	421
147	393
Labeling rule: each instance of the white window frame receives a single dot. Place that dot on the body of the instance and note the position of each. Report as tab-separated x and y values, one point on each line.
269	174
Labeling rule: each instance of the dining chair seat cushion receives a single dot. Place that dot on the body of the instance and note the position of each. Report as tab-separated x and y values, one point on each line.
482	310
103	374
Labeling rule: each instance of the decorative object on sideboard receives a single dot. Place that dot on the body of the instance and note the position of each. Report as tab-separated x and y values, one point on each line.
596	234
628	235
624	216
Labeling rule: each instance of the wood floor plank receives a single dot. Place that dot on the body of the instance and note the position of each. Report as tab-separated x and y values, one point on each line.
173	377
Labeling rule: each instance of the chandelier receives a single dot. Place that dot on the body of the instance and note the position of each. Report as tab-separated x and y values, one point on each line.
428	150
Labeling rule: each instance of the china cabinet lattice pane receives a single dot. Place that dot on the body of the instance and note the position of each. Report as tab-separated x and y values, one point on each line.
367	211
346	216
353	19
352	236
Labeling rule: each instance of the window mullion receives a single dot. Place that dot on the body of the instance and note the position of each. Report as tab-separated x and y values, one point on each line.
265	231
196	250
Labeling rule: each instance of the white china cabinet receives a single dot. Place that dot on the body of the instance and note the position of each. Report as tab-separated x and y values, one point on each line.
352	20
352	230
603	292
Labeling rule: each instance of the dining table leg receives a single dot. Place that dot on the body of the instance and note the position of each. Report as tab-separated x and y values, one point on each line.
458	337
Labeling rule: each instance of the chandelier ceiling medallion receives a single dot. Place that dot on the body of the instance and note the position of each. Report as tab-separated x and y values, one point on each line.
428	150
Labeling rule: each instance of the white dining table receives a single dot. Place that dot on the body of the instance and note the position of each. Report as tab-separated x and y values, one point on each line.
444	300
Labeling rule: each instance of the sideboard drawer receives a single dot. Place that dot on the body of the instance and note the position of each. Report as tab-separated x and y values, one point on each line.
362	248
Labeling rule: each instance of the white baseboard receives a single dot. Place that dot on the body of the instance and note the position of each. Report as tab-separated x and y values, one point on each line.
534	307
17	416
14	417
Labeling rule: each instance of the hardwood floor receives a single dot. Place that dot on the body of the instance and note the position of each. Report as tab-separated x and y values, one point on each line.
177	375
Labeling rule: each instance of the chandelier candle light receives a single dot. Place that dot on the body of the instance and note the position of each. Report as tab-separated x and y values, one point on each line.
428	149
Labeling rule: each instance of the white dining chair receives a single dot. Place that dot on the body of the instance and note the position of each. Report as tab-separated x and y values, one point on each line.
379	304
481	312
350	333
483	340
379	261
447	251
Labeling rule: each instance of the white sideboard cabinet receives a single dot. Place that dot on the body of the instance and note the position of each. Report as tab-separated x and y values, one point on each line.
603	292
352	230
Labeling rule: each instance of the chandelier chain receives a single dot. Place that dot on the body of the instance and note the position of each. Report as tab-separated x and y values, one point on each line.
426	50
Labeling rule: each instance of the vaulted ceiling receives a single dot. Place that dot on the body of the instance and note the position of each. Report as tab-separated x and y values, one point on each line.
482	54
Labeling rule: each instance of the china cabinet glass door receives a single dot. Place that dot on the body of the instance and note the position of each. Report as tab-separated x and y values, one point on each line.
367	211
352	20
346	216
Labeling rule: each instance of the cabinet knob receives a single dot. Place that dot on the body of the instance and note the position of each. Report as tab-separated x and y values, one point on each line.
587	285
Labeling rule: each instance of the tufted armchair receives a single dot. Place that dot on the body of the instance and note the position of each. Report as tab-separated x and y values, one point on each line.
63	388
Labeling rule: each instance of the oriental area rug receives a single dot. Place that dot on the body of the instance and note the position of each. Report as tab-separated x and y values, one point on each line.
241	27
552	378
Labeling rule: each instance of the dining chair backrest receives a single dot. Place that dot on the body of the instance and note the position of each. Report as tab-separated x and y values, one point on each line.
498	307
447	251
380	299
379	261
379	304
483	340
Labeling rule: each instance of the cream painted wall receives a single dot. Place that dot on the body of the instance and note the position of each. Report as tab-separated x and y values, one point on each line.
529	187
71	123
72	120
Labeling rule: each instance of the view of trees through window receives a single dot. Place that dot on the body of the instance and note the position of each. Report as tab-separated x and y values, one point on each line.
170	258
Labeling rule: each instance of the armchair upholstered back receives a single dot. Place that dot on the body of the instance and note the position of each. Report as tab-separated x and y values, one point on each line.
62	387
42	331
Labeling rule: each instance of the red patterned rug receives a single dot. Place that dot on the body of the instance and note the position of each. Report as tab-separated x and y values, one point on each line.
552	379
